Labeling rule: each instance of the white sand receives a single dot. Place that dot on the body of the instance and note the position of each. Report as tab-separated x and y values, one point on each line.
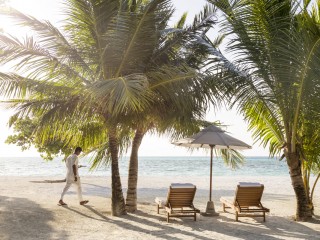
28	210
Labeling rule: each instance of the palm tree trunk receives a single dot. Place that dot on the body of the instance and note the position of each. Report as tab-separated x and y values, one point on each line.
303	212
131	201
306	180
117	200
312	191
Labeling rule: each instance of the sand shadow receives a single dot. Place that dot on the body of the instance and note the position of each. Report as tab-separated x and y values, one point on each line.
49	181
315	219
102	217
21	218
133	223
94	185
149	225
275	227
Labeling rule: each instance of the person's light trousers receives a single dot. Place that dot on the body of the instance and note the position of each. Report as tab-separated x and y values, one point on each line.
78	187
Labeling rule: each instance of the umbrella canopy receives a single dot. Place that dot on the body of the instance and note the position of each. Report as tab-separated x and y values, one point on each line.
212	137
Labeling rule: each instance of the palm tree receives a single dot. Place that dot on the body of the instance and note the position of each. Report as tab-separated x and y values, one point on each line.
98	69
174	110
93	70
275	48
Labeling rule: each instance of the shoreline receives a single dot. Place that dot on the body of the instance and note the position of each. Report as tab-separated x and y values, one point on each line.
29	210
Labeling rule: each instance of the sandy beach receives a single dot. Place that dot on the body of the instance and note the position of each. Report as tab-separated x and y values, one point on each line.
29	210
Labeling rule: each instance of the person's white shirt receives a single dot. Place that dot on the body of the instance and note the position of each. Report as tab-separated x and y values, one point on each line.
71	160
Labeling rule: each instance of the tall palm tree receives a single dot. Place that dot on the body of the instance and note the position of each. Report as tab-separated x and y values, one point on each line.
177	111
99	68
92	70
275	71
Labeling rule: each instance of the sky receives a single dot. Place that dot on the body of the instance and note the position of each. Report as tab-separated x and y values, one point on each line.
152	145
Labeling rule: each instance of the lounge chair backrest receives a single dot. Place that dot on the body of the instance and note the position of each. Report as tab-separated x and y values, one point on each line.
249	195
181	196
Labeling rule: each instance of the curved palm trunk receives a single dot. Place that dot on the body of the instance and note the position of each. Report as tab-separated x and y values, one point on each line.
131	201
306	180
117	200
312	191
303	212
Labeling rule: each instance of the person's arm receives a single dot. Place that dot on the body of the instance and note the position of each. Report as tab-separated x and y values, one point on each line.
75	172
74	167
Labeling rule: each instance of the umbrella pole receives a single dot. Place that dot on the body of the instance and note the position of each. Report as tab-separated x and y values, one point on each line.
211	156
210	211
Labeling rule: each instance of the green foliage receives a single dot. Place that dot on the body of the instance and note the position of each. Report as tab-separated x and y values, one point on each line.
25	136
181	21
114	66
274	68
275	47
119	69
232	158
116	69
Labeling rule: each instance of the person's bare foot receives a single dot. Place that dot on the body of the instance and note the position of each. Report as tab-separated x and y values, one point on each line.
62	203
84	202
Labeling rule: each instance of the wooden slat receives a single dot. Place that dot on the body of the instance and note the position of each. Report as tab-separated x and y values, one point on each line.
181	197
178	199
249	196
248	201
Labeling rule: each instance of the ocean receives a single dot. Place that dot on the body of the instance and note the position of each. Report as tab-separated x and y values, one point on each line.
155	166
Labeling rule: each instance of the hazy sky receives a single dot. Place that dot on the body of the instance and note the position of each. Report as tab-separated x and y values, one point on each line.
151	145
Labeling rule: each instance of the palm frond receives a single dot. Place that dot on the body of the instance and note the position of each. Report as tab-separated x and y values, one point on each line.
123	93
173	39
53	41
34	60
181	22
231	157
101	157
131	35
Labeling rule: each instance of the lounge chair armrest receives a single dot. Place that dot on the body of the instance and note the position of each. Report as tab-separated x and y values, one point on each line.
226	201
161	202
196	210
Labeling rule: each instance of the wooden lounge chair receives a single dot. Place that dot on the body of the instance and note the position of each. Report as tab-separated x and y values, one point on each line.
247	201
179	202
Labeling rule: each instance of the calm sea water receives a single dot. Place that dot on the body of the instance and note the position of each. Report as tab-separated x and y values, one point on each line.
155	166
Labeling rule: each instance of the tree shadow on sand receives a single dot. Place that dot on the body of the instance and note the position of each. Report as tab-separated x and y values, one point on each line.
21	218
150	225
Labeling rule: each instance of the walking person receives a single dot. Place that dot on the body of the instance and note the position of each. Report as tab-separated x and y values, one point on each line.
73	177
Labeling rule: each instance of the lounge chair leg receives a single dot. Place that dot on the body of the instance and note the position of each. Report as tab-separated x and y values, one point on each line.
237	217
167	217
195	216
158	208
223	207
264	216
